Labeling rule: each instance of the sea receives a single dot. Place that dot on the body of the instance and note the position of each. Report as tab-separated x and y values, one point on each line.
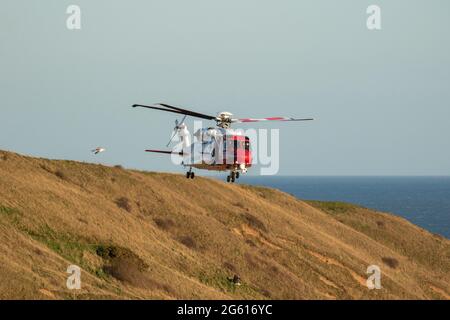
424	201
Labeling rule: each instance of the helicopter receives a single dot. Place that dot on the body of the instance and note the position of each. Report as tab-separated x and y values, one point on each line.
217	148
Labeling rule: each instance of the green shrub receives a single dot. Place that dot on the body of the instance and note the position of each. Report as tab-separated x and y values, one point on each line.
164	224
332	206
254	222
60	174
124	203
188	242
390	262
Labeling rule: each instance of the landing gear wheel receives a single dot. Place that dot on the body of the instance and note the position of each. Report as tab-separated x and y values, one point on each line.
192	175
233	179
228	178
188	175
237	175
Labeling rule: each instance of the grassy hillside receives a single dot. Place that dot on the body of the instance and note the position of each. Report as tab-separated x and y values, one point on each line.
161	236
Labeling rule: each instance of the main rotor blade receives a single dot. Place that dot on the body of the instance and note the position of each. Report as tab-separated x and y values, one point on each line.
244	120
181	111
156	108
185	111
166	152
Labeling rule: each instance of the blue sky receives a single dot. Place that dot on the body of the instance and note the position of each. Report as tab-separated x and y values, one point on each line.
381	99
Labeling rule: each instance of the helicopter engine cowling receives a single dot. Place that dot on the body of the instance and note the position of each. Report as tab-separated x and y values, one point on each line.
207	134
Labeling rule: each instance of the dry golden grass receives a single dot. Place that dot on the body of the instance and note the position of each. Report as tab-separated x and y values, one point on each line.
141	235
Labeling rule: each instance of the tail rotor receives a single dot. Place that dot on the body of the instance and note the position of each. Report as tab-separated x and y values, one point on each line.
176	128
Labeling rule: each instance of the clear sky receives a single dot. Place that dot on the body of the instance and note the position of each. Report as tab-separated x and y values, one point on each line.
381	98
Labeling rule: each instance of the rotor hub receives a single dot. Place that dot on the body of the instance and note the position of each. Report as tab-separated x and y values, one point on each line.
224	119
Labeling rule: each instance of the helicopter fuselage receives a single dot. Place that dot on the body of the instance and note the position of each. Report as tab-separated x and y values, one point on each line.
219	149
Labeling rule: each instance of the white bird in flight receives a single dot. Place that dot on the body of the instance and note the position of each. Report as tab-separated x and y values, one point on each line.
98	150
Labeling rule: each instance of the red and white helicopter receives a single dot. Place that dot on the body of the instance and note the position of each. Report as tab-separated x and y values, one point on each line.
218	149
